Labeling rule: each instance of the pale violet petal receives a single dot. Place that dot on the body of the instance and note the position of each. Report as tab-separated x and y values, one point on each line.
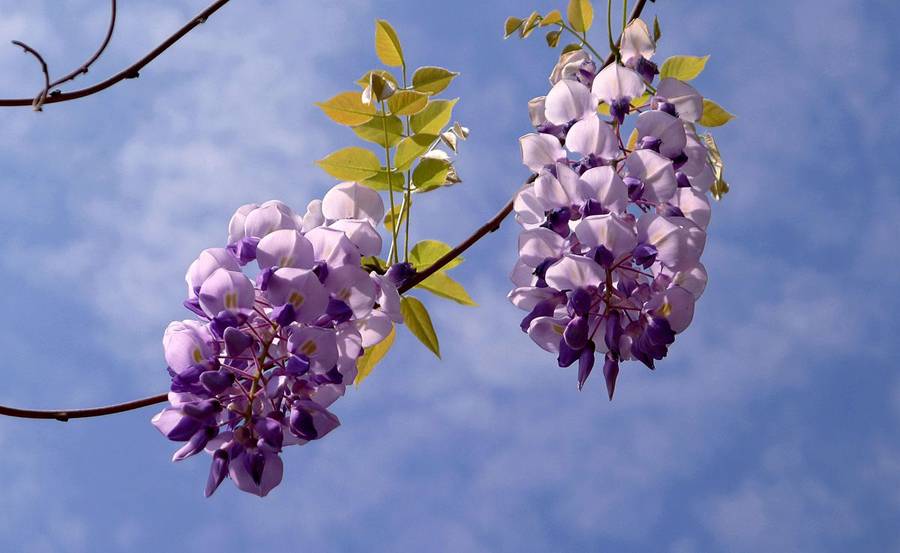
540	150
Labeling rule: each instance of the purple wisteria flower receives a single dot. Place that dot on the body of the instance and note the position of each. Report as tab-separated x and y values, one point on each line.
266	358
609	258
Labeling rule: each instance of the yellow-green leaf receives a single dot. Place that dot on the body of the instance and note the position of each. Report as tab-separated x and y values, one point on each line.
407	102
632	140
384	74
430	173
417	320
434	117
379	89
657	32
351	163
442	285
379	181
719	187
581	15
372	355
530	24
512	25
347	108
372	263
714	115
426	252
387	44
551	18
395	214
432	80
683	68
374	130
411	148
641	100
553	38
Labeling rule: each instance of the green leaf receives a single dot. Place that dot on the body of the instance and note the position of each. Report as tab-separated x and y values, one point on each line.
719	187
530	24
407	102
373	263
632	140
657	32
353	163
683	68
434	117
380	88
372	355
395	214
553	38
714	115
373	130
387	45
426	252
574	47
581	15
386	75
432	80
347	108
379	181
430	173
512	25
416	318
411	148
551	18
442	285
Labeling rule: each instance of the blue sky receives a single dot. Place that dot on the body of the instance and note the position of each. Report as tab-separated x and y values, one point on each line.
772	426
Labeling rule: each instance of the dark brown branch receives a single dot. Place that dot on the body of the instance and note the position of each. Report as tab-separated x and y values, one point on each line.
487	228
492	225
83	69
42	95
131	72
64	415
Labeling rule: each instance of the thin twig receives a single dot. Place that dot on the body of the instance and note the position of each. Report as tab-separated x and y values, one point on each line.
64	415
83	69
492	225
38	100
130	72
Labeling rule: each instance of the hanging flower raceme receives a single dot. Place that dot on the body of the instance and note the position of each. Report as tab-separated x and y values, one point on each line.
609	258
267	356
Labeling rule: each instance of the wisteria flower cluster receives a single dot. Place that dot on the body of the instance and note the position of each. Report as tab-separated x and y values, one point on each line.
267	356
609	258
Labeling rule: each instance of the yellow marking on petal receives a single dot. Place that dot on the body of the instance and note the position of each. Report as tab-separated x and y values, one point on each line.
309	348
344	294
285	261
296	299
665	310
231	300
558	329
198	357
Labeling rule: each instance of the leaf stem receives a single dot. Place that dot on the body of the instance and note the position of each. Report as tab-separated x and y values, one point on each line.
406	206
387	155
612	44
582	38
